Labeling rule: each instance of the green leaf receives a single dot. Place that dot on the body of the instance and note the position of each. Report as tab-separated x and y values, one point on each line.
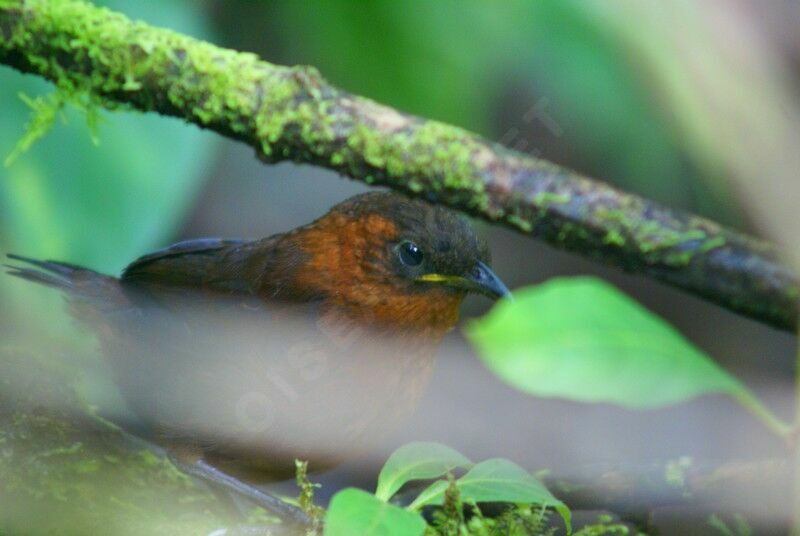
417	461
353	511
496	480
581	338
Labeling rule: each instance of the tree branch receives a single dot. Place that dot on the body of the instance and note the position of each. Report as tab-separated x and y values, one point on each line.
642	488
64	470
293	113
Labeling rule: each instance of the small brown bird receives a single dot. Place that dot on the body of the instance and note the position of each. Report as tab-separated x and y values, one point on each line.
304	345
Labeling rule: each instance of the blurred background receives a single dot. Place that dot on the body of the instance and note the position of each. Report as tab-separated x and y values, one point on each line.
691	104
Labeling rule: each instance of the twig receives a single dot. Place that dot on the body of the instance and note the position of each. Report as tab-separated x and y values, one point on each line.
293	113
288	513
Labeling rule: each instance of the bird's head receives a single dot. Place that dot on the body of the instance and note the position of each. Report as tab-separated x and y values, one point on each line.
391	259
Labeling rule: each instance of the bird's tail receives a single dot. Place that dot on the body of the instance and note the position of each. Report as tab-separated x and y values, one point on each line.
54	274
83	286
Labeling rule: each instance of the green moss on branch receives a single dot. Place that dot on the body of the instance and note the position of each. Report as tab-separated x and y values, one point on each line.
293	113
65	471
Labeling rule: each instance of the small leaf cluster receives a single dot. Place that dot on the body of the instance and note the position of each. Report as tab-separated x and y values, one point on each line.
354	511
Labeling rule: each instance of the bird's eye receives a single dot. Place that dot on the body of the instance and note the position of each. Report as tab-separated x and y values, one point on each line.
410	254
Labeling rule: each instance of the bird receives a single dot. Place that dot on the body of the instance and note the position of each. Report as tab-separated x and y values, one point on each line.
245	355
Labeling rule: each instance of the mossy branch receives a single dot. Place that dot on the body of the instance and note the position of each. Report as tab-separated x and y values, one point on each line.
293	113
65	470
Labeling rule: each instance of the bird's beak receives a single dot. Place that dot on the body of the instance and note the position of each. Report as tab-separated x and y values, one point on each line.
481	279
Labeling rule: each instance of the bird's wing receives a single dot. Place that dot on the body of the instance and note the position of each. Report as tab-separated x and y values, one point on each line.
209	264
186	247
262	268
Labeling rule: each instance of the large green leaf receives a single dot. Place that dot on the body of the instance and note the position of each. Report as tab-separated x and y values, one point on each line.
353	511
496	480
580	338
417	461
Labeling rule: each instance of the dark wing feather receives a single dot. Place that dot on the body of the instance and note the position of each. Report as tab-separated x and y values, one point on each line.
185	247
204	264
232	267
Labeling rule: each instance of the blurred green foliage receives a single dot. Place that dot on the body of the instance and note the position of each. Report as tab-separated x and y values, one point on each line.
102	204
570	89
